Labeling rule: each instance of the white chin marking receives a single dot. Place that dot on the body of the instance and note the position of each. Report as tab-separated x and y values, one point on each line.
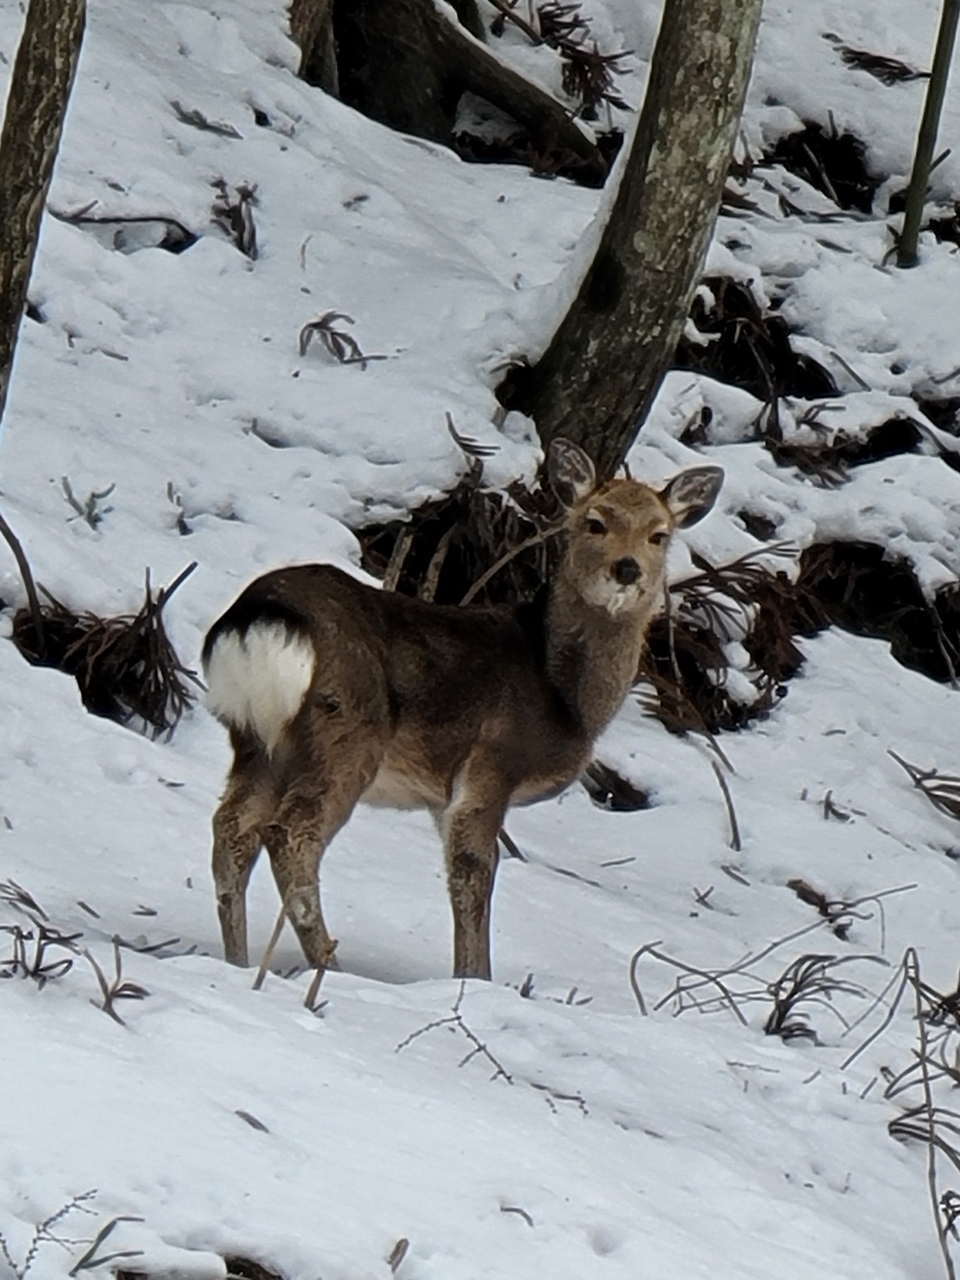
257	681
610	596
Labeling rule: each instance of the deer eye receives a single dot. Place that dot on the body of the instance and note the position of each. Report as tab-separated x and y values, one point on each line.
659	537
593	525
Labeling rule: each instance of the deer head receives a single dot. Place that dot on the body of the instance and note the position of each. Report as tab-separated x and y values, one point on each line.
618	532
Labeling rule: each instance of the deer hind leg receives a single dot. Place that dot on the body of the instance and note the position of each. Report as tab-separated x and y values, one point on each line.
469	826
315	805
237	826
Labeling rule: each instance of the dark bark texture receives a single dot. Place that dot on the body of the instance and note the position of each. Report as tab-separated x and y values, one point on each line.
407	64
598	378
311	25
43	73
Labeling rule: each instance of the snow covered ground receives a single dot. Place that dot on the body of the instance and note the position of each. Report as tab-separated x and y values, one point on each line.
592	1141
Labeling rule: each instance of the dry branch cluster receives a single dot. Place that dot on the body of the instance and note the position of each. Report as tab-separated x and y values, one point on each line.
126	666
924	1089
34	949
811	980
233	214
588	74
341	345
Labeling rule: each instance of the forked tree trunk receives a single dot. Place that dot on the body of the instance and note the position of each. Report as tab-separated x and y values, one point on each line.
407	63
606	361
43	73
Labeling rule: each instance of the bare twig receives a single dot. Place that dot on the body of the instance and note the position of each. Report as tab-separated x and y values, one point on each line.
941	789
92	1258
431	579
533	541
471	447
30	586
271	946
118	989
734	829
401	549
455	1020
511	846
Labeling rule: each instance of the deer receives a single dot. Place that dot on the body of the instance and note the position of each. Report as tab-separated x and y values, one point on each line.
335	691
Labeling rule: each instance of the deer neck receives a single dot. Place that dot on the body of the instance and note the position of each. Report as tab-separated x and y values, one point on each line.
592	655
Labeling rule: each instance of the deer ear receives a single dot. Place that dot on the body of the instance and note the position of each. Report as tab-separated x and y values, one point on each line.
691	494
572	474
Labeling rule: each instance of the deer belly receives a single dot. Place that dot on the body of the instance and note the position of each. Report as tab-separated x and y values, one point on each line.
402	785
536	789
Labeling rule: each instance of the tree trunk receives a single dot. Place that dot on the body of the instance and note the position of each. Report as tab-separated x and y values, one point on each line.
927	137
311	25
407	64
40	86
598	378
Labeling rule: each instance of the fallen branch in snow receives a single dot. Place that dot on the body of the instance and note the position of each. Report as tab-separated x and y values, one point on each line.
521	1213
887	70
175	239
738	984
941	789
552	1096
455	1020
43	1234
194	117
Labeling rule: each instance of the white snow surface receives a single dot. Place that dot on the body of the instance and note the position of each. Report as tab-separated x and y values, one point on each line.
228	1121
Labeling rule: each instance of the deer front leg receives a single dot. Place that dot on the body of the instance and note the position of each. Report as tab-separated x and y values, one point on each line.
469	826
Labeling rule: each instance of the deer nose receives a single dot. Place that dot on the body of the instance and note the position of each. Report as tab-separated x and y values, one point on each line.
626	571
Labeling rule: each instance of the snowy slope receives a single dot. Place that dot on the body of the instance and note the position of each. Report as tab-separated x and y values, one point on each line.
621	1146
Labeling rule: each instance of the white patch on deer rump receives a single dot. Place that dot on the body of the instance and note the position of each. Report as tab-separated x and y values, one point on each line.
257	680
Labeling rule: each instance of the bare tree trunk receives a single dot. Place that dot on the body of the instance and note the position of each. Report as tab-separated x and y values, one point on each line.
40	86
311	25
927	136
407	64
606	361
